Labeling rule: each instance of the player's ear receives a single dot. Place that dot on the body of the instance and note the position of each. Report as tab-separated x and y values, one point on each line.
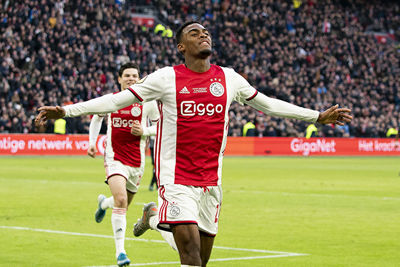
119	79
181	48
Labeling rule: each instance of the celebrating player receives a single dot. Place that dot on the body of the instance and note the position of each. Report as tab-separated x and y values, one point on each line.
193	100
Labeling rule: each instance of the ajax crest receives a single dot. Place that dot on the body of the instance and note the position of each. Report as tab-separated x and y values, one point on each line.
217	89
175	210
136	111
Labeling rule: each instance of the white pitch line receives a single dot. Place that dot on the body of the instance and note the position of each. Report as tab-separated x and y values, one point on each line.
257	250
138	239
280	253
213	260
77	234
140	264
258	257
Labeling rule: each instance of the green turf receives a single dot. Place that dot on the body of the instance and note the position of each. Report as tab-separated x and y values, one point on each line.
338	211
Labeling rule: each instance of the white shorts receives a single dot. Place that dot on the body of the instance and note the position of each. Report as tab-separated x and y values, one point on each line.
182	204
131	174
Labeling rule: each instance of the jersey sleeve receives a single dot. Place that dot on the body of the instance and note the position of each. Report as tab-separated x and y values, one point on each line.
152	111
94	129
153	115
276	107
243	90
150	87
105	104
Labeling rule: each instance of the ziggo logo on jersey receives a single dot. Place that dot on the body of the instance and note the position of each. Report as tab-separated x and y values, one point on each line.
190	108
118	122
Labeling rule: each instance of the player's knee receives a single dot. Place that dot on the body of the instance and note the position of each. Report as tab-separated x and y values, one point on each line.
121	200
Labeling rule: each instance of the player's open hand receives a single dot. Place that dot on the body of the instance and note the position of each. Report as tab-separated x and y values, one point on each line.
136	128
48	113
335	115
92	151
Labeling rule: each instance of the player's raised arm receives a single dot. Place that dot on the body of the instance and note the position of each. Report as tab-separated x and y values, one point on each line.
104	104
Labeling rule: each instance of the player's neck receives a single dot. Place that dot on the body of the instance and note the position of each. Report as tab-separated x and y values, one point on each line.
197	64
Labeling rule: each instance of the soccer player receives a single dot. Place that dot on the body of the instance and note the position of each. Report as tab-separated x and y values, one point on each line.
193	100
124	156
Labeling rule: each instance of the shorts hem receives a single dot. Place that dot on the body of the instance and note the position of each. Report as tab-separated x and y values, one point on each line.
111	175
130	191
207	234
166	225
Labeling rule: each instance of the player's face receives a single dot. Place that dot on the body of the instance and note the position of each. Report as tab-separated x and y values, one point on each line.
128	78
196	41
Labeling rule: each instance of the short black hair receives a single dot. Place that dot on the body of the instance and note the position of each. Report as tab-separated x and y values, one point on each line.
129	65
179	31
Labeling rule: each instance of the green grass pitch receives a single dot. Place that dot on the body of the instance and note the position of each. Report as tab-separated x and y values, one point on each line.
276	211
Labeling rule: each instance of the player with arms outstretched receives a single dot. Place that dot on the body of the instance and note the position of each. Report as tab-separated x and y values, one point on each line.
193	100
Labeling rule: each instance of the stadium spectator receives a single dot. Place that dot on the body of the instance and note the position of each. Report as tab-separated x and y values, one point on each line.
311	131
60	126
249	129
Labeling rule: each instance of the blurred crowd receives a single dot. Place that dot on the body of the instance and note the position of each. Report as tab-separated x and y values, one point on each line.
310	53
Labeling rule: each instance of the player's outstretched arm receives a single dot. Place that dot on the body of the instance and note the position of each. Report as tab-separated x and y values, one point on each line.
105	104
335	115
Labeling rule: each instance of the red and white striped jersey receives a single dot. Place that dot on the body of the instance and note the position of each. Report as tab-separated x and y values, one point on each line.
191	134
121	145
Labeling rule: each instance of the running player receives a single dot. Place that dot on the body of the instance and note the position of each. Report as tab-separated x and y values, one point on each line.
124	156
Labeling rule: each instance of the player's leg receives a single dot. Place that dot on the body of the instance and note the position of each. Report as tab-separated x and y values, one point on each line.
143	223
187	239
117	184
149	220
103	203
210	207
130	196
153	181
179	212
206	245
